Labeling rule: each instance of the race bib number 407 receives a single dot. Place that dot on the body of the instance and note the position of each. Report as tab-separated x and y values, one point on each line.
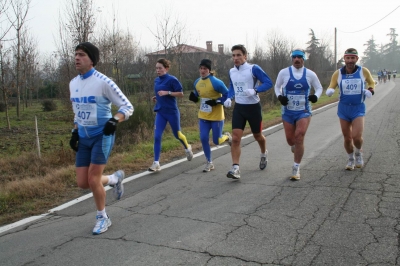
86	113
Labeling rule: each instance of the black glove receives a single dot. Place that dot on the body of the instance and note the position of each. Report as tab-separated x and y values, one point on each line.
371	90
110	126
74	140
313	98
283	99
193	97
213	102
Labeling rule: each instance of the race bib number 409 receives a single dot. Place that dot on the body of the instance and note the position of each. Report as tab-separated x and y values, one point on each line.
351	86
86	114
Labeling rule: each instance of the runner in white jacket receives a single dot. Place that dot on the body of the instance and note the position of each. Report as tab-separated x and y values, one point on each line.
92	94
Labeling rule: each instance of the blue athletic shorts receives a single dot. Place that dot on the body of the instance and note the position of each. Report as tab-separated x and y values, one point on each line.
95	150
350	112
292	118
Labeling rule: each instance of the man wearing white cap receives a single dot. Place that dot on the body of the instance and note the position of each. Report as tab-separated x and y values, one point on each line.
293	87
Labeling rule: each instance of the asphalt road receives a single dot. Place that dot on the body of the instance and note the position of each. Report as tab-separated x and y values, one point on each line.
182	216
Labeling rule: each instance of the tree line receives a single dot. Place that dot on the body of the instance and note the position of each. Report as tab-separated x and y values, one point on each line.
27	75
382	56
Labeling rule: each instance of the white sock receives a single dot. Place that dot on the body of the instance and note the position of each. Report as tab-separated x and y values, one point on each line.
297	165
112	180
236	166
357	151
351	155
157	162
102	213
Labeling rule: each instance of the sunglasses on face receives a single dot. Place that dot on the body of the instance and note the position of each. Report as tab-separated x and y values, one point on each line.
297	56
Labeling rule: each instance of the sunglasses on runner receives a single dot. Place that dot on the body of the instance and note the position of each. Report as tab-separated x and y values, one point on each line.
297	56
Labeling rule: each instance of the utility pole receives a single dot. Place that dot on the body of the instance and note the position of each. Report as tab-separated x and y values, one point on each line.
335	49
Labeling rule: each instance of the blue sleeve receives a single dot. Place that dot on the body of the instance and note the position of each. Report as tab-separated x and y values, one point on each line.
262	77
231	92
220	87
194	88
176	85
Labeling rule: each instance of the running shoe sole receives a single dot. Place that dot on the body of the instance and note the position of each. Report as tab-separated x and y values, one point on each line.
102	228
119	187
208	169
231	175
294	178
263	164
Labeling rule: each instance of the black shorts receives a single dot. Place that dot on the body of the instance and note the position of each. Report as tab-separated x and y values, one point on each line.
247	112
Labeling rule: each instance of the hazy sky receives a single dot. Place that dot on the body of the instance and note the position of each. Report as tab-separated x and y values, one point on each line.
232	22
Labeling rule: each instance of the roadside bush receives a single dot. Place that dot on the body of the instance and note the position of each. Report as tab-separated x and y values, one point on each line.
140	125
49	105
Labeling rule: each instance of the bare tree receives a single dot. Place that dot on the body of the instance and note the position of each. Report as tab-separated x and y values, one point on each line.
20	10
168	29
5	81
118	53
5	27
278	54
29	58
75	27
81	19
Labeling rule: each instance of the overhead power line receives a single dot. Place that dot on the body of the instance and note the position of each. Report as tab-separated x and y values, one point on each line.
372	24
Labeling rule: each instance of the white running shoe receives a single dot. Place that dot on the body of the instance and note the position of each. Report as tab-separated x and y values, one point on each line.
229	138
295	173
263	161
350	164
359	160
102	224
154	167
119	187
209	167
233	173
189	153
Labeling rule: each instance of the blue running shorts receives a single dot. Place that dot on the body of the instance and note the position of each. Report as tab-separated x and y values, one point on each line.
95	150
350	112
292	118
